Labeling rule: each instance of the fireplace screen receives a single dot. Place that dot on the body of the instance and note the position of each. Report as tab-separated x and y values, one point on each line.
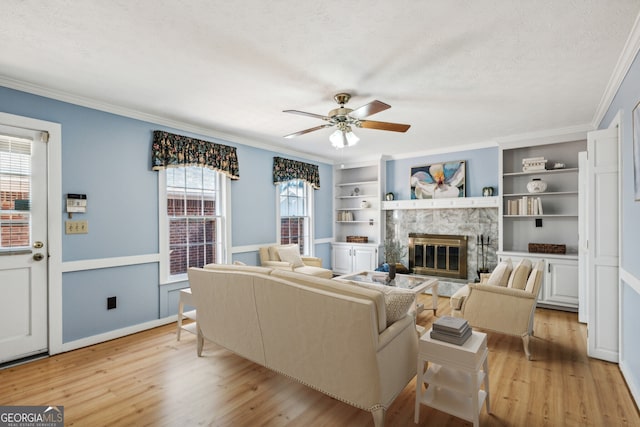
438	255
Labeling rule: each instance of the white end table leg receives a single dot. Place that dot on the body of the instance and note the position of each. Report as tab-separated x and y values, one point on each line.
434	298
180	311
487	400
419	388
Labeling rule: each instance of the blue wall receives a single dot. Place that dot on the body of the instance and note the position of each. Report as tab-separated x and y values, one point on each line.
482	171
626	99
108	157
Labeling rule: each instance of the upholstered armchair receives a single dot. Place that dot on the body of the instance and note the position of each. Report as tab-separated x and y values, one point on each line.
287	257
503	302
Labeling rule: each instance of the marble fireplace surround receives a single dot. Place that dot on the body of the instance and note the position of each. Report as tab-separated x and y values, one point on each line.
471	222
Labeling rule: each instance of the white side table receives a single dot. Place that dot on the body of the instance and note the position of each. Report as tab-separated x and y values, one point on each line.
455	375
186	297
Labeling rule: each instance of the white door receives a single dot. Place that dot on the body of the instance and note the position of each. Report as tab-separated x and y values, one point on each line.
583	238
23	243
602	273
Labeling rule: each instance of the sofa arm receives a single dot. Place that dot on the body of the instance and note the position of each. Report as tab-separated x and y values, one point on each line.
282	265
501	290
395	329
312	261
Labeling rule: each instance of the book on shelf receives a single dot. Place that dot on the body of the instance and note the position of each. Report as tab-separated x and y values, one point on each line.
532	160
534	168
525	205
450	338
533	164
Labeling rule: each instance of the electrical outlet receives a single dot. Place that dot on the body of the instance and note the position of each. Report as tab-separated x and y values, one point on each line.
111	303
76	227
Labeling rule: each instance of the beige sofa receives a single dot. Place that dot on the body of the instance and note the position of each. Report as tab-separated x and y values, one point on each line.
330	336
270	257
504	301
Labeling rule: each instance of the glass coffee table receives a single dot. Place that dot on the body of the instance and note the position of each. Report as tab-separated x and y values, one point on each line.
416	283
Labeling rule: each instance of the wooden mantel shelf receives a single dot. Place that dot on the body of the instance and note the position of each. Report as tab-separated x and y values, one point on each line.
454	203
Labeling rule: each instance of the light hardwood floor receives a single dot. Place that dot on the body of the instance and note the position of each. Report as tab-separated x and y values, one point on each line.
150	379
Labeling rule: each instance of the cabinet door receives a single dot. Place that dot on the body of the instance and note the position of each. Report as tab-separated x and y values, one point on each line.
561	283
341	259
364	258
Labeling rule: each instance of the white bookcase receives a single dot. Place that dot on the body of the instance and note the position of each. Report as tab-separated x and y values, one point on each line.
558	222
358	193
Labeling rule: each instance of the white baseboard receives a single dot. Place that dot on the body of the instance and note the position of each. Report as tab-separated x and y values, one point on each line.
118	333
633	386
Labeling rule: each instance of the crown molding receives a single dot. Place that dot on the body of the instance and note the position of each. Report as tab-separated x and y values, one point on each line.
147	117
549	136
627	56
443	150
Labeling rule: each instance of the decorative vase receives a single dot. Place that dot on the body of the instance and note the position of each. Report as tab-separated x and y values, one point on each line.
389	196
392	271
487	191
364	204
536	185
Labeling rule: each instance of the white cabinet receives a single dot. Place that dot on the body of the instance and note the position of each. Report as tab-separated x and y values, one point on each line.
561	283
559	287
350	258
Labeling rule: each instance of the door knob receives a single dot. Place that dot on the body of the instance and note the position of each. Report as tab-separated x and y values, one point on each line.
38	257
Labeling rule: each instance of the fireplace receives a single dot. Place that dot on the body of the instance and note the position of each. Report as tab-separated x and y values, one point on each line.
438	255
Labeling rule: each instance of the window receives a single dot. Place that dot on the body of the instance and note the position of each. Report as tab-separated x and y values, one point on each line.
194	219
15	193
295	214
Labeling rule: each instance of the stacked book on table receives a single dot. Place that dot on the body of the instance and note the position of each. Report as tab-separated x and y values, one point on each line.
449	329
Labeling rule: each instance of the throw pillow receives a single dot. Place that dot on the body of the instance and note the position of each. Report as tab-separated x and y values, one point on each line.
537	269
518	278
397	301
238	263
500	276
291	254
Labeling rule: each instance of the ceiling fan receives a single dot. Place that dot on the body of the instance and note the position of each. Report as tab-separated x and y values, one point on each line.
344	118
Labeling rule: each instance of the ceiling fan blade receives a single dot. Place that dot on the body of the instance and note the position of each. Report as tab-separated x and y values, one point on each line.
395	127
304	113
302	132
368	109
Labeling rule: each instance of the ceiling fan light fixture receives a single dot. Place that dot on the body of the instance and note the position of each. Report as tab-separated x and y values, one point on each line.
343	138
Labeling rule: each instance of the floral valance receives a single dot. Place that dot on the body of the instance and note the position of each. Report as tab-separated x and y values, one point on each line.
170	150
286	170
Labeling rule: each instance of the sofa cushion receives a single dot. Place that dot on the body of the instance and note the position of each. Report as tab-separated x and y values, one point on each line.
500	276
314	271
458	298
236	267
397	301
518	277
291	254
340	288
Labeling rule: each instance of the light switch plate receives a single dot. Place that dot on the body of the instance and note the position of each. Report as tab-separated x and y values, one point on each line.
76	227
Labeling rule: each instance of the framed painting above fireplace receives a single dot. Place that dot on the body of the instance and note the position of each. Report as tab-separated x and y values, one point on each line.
438	180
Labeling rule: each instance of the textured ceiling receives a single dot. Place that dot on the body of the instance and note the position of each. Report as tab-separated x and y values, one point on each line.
460	72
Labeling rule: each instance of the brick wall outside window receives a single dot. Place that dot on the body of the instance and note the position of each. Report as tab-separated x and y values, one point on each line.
14	227
193	219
